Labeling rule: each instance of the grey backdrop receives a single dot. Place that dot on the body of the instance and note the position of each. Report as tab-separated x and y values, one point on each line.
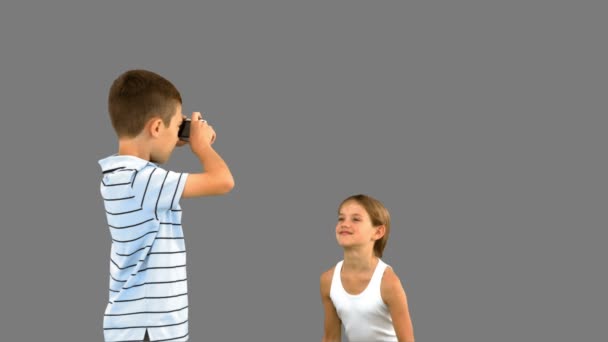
480	126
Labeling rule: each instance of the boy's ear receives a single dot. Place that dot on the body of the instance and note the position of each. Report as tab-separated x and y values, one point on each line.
154	125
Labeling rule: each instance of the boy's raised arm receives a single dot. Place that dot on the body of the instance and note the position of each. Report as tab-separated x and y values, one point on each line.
217	178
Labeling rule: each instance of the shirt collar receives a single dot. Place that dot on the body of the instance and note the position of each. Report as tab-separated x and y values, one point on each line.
117	161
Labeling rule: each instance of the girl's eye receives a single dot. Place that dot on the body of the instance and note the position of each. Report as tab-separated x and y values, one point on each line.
340	219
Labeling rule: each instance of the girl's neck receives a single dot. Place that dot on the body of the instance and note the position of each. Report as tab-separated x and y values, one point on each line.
359	261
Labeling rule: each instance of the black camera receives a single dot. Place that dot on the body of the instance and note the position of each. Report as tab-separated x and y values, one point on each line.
184	130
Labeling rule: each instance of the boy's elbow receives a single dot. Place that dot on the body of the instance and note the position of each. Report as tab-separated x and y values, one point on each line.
228	185
223	182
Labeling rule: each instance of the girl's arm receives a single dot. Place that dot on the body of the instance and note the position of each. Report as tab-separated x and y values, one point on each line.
332	324
396	300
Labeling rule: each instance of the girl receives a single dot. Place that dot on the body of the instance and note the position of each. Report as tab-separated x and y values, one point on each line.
361	291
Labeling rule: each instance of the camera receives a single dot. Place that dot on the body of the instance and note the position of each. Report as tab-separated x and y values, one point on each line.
184	130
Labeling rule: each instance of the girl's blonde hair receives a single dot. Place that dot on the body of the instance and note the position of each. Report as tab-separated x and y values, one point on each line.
378	214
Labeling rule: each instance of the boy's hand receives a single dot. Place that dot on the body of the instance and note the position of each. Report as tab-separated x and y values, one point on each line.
201	133
216	179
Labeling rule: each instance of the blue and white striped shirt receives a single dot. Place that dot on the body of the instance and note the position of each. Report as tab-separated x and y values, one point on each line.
148	280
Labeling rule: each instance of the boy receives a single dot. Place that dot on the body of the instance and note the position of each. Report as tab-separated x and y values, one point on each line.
148	285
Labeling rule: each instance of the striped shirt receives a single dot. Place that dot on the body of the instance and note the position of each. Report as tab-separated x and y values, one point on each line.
147	281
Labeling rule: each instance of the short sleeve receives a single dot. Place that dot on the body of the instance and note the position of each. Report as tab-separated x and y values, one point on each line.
171	186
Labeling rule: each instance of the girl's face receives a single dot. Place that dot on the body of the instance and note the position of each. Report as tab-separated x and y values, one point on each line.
354	226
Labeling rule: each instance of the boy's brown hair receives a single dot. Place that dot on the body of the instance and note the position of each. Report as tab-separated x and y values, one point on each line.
138	95
379	216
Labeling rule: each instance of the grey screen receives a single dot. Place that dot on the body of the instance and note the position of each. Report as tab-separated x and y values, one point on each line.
480	125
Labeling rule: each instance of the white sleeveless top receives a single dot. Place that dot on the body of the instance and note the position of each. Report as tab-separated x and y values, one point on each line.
365	316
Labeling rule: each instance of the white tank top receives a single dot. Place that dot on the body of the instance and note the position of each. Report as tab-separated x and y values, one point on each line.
365	316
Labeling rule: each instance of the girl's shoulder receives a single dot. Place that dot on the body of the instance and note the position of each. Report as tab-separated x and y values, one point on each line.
389	277
390	284
326	278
